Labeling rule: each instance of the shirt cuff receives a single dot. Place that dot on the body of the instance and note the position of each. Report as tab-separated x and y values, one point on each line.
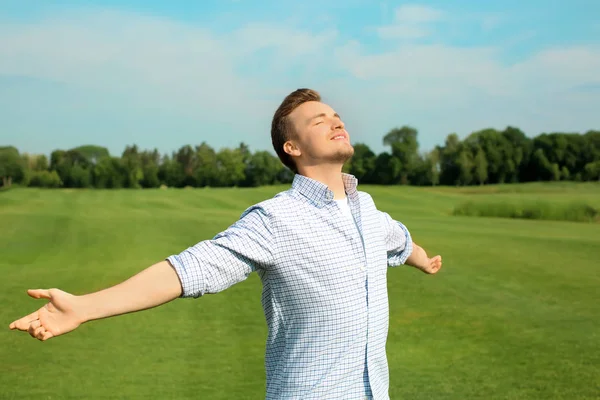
400	257
408	248
191	278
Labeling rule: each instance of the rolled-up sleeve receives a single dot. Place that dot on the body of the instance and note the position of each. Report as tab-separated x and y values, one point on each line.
214	265
398	241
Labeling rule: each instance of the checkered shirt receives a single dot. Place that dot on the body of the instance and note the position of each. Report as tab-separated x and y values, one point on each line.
324	287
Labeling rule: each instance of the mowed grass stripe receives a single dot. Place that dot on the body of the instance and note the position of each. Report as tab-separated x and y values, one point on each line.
122	248
514	314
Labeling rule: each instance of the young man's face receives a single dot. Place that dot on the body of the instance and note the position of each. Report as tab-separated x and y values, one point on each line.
320	136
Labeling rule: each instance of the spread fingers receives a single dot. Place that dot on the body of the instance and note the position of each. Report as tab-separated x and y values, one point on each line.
33	326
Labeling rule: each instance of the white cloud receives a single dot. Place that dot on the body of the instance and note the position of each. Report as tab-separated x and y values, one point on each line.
561	67
417	14
153	69
431	69
114	51
290	42
490	22
441	89
171	71
411	22
424	69
188	70
403	31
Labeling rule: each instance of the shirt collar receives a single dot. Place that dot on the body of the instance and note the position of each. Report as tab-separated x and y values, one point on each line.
318	192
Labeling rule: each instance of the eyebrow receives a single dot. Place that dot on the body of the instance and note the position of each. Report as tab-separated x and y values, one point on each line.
323	115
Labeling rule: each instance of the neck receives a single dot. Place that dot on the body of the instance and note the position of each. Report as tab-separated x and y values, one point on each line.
330	175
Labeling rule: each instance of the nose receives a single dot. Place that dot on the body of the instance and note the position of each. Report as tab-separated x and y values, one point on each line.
338	124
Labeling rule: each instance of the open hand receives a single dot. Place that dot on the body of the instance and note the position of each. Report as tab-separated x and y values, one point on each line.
57	317
433	265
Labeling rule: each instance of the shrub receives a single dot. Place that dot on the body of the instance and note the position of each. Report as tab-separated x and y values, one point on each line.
541	210
45	179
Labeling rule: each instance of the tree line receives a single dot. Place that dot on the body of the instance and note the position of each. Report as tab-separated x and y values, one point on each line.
487	156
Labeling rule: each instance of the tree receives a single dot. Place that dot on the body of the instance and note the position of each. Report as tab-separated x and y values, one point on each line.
187	161
592	171
262	169
449	167
480	167
498	152
465	166
285	175
427	171
80	177
230	167
206	165
592	145
574	159
45	179
35	162
566	150
484	156
109	173
542	168
170	172
362	163
521	152
74	168
59	162
403	142
244	150
432	162
12	167
92	153
131	161
555	172
565	175
150	161
387	169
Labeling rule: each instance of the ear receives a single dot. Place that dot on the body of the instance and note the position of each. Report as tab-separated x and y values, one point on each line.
292	148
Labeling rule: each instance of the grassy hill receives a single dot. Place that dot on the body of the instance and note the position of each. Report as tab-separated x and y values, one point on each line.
514	314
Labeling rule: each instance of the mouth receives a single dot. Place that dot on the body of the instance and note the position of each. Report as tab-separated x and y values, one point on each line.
340	136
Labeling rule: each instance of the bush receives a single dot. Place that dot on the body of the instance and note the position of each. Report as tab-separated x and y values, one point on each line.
45	179
578	212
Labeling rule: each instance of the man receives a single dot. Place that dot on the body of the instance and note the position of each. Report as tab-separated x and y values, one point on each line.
321	250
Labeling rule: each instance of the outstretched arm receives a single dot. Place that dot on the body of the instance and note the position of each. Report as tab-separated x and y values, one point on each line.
402	250
208	267
64	312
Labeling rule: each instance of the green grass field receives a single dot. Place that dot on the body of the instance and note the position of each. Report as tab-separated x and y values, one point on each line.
514	314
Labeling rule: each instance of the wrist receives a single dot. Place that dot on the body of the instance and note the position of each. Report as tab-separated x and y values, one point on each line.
418	257
81	309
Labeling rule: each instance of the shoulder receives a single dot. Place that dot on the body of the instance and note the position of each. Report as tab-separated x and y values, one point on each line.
366	198
270	208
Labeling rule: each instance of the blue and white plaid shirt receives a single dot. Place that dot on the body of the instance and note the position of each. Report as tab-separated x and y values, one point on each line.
324	287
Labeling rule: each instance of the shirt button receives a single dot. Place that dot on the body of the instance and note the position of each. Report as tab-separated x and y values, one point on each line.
362	267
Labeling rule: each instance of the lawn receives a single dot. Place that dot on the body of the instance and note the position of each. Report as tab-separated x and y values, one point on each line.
514	314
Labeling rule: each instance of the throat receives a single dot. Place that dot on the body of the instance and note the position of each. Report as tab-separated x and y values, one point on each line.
331	176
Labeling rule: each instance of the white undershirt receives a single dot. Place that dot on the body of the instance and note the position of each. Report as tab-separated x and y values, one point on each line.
345	207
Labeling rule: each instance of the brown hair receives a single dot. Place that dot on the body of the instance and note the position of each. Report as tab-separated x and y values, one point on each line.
281	128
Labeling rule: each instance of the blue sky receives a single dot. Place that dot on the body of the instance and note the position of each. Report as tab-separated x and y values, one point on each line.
163	74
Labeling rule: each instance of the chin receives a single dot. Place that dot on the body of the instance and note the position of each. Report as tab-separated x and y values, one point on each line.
343	155
349	149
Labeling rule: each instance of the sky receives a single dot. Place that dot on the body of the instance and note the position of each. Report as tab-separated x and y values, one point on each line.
165	74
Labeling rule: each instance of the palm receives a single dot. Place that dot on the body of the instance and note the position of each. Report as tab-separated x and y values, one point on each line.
57	317
433	265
